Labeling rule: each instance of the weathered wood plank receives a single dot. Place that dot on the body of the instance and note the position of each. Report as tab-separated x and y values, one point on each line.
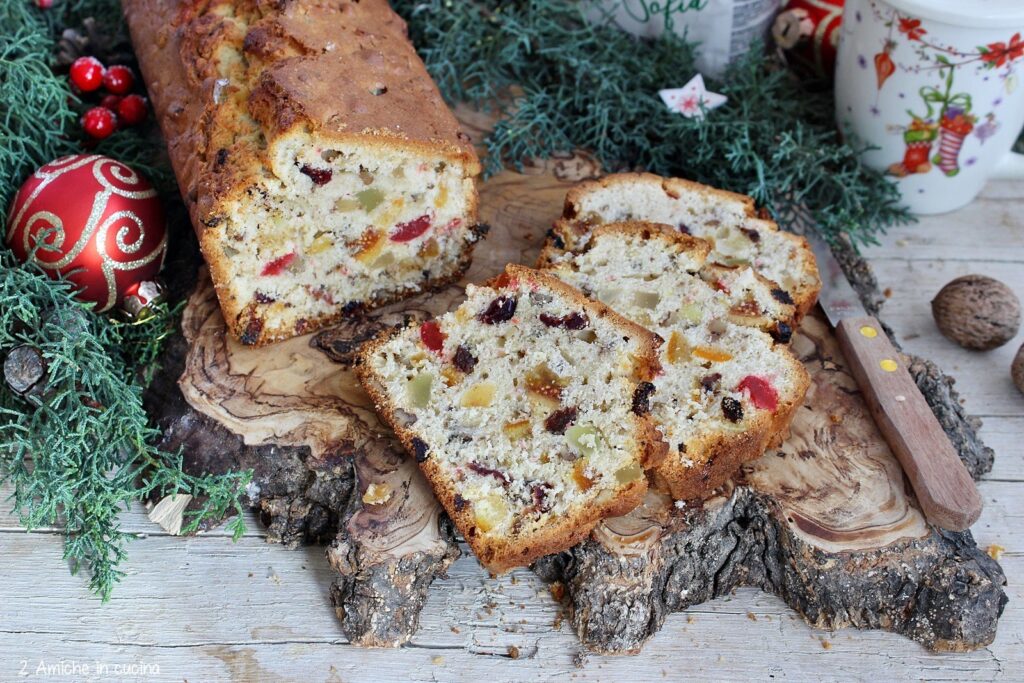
171	612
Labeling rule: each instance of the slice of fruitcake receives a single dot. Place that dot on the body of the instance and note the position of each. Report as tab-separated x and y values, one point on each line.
727	220
527	410
728	389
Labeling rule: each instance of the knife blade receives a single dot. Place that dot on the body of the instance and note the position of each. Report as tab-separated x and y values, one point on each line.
944	488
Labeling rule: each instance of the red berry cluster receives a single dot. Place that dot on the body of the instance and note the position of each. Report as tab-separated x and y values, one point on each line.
118	107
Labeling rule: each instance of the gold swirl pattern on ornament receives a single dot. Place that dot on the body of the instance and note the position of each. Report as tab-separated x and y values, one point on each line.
50	222
119	173
109	265
47	175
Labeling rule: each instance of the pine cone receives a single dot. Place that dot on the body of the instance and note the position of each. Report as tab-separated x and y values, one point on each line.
110	46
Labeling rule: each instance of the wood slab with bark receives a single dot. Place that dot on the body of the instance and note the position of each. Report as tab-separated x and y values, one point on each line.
826	521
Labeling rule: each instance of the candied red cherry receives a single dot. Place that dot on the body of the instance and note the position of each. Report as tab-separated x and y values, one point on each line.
99	122
432	336
406	232
278	265
118	79
87	73
132	110
762	393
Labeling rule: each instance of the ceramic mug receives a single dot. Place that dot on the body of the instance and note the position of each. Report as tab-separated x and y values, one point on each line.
936	89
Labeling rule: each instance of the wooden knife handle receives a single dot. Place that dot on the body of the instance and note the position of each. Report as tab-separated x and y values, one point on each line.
944	487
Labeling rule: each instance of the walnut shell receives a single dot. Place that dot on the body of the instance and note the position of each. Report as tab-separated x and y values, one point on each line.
1017	369
977	312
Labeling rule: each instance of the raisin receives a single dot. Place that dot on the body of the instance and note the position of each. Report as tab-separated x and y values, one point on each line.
420	449
754	235
782	296
252	331
709	383
353	308
499	310
222	156
684	229
460	503
319	176
682	446
556	240
782	333
464	360
732	409
572	321
642	398
485	471
262	298
557	421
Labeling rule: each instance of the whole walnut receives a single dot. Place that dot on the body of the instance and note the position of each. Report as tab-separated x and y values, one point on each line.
1017	369
977	312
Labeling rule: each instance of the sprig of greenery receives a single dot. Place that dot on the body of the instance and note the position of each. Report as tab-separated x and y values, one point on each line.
559	82
82	451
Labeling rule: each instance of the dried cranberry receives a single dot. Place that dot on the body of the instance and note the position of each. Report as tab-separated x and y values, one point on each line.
406	232
642	398
277	266
762	393
782	333
499	310
710	382
557	421
732	409
485	471
572	321
432	336
319	176
464	360
782	296
420	449
540	495
683	228
252	331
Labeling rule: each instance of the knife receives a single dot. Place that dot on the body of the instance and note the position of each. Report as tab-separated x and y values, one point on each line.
944	488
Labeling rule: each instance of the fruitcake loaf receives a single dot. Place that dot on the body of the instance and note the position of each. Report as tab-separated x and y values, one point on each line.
727	220
321	168
728	389
527	409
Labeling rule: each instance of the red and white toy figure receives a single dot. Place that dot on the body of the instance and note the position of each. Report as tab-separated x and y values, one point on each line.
693	99
808	32
93	220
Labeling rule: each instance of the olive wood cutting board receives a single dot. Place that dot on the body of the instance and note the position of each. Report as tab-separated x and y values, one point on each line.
827	521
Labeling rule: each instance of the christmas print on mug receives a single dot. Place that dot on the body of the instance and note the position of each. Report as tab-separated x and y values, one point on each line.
693	99
934	89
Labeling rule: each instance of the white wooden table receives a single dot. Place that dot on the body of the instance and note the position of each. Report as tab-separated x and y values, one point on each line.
204	609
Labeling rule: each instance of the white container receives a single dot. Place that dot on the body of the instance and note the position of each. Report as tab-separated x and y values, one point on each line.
937	88
725	29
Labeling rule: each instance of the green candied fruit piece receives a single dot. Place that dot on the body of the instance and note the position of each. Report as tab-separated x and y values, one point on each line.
584	438
418	389
691	313
370	199
646	299
629	473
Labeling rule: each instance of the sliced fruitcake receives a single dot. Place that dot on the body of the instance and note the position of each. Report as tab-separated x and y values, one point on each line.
727	220
728	389
527	409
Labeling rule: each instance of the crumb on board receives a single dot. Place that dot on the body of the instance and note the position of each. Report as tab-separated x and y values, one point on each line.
751	616
558	591
995	551
825	644
513	652
887	292
437	660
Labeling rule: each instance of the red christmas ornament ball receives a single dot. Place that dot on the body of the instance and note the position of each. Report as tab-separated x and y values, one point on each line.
87	73
111	102
118	79
132	110
99	122
96	221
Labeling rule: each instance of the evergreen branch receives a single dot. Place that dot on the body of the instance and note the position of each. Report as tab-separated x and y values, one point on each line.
560	82
82	451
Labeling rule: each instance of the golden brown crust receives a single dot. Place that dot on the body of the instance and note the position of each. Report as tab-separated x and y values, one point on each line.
495	554
567	230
